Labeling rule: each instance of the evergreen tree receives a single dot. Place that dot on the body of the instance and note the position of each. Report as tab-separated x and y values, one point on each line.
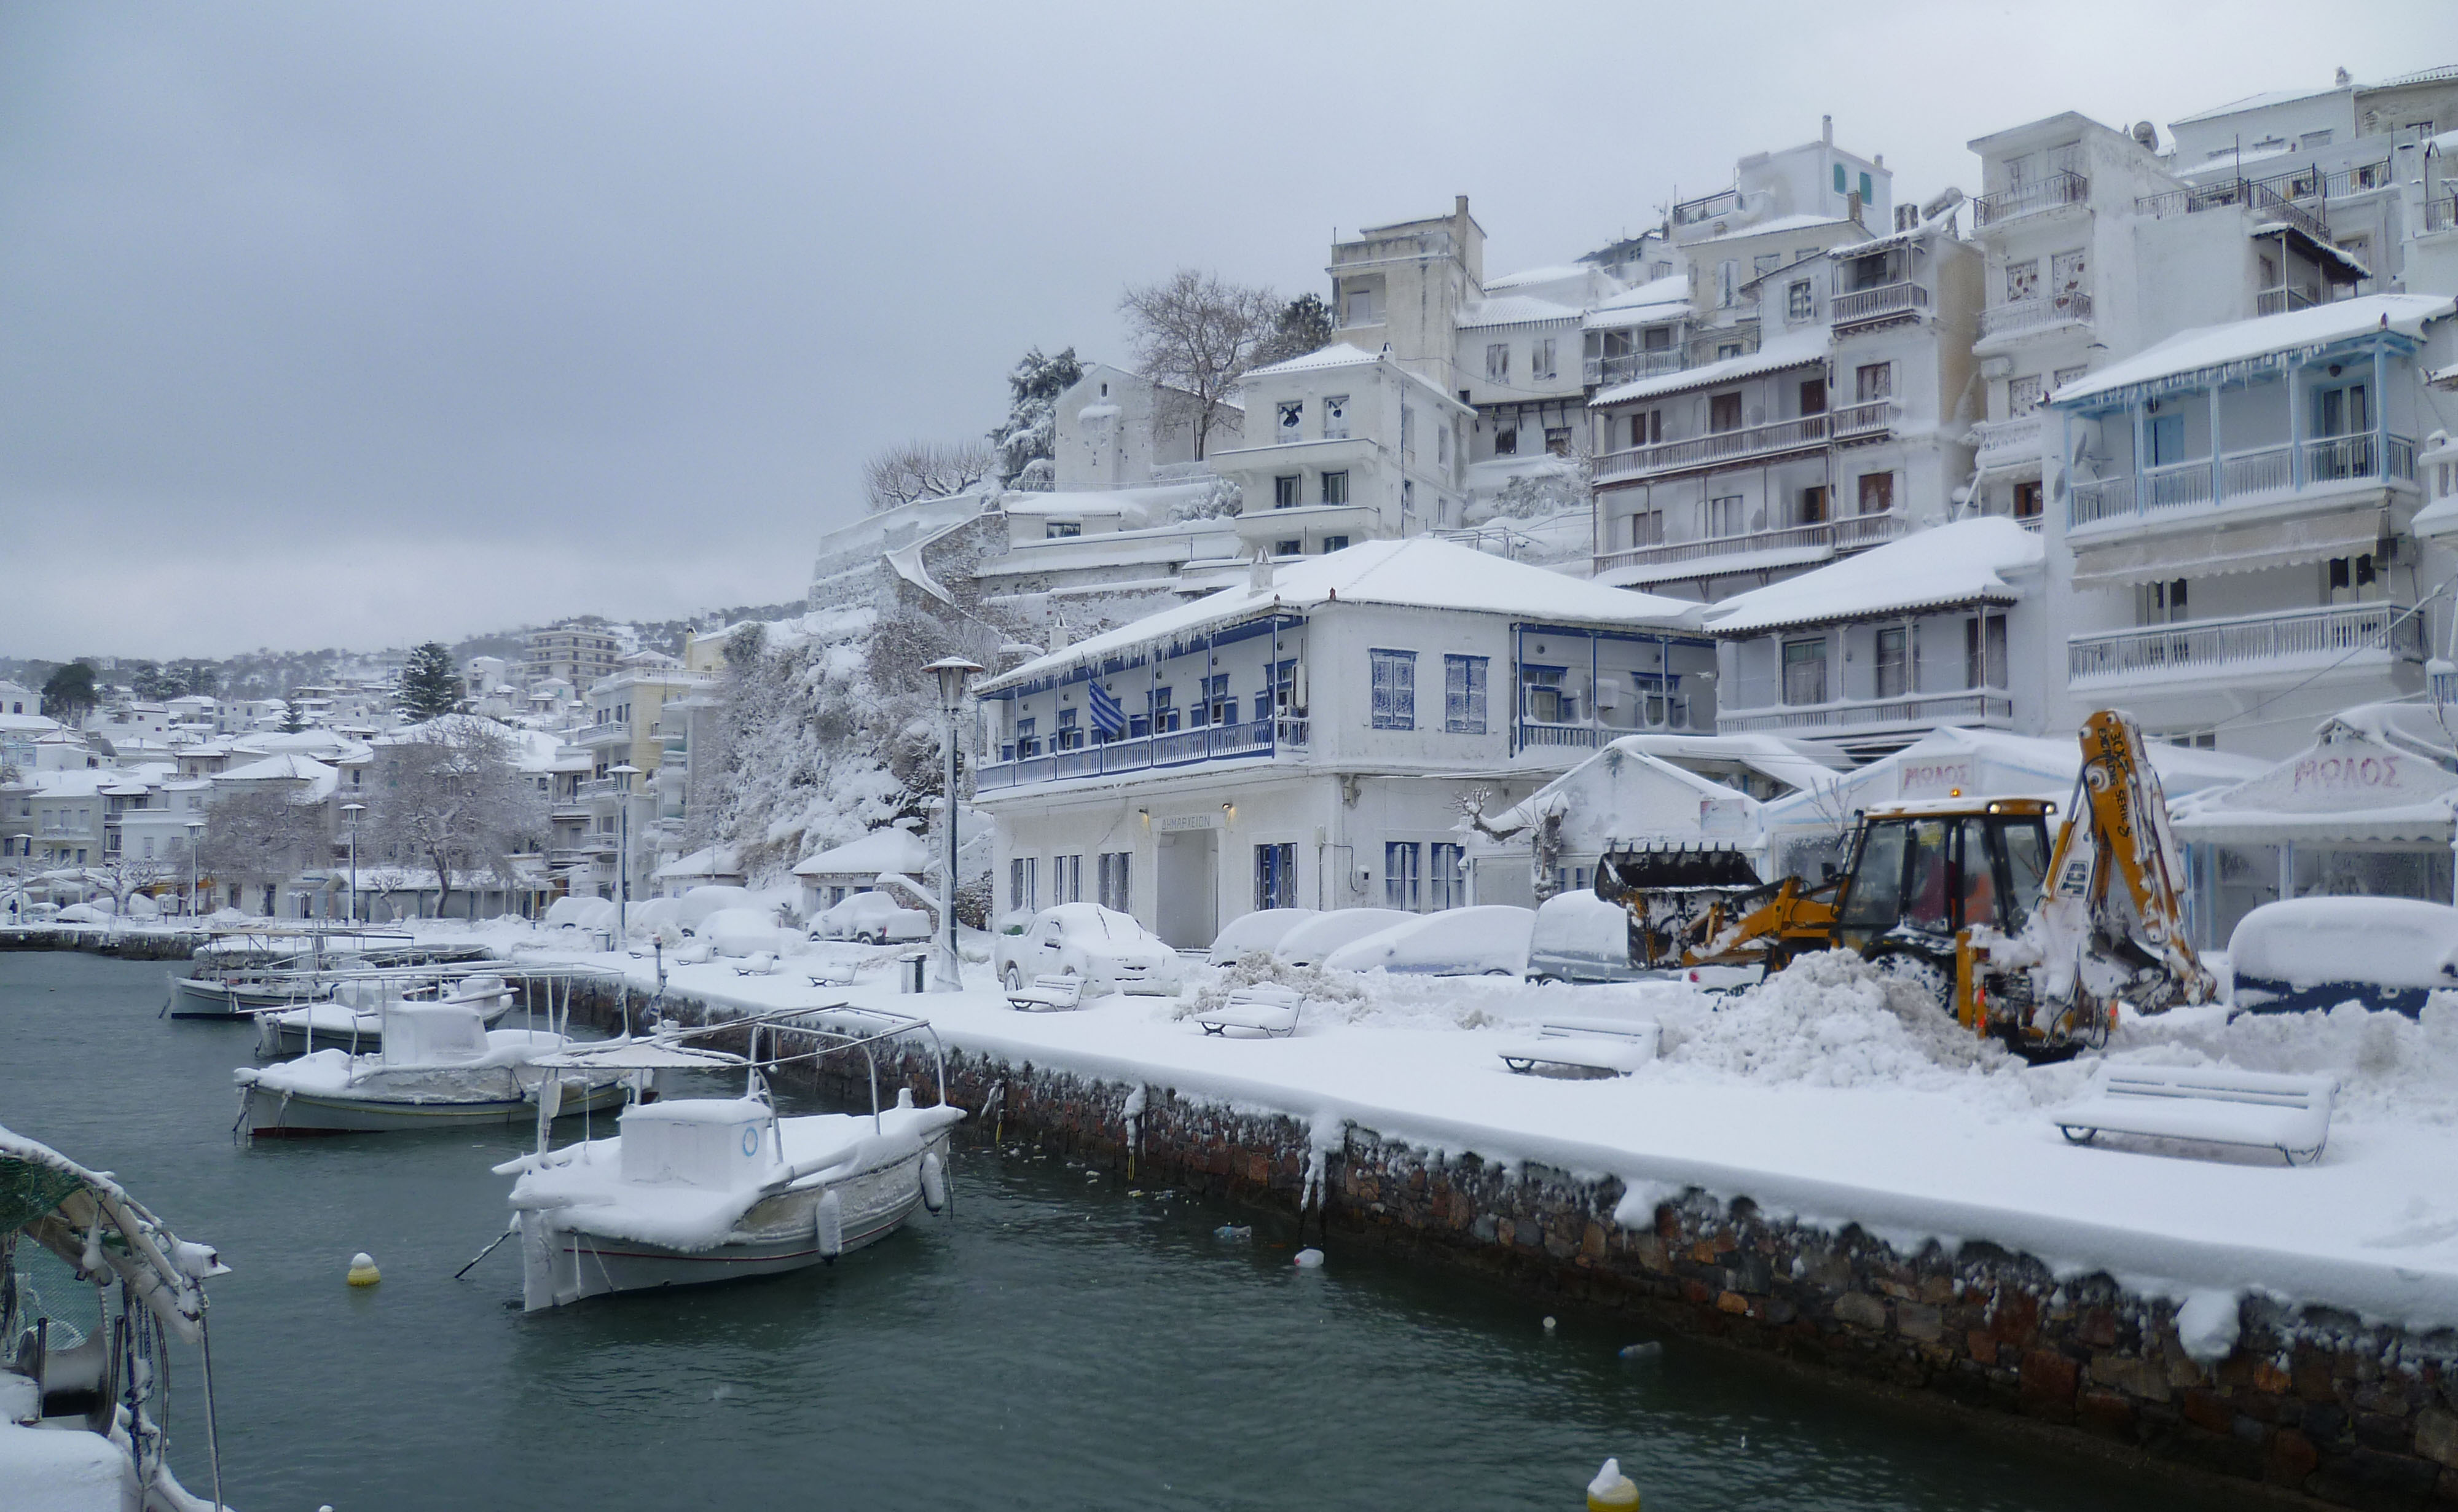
429	685
69	694
1303	325
1030	434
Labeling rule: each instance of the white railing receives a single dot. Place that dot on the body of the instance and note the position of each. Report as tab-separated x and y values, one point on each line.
2043	194
2252	472
1979	705
2249	640
2179	483
1723	445
1172	747
2281	301
1878	303
2022	314
1626	367
1848	533
2000	439
1863	418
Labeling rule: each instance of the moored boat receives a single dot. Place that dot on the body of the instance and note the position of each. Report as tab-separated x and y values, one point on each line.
440	1067
352	1018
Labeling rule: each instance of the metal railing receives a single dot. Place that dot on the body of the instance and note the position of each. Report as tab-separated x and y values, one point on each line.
2258	197
2179	483
1538	734
2441	214
2281	301
1863	418
1627	367
2213	645
597	788
1141	752
1706	207
2022	200
1878	303
1849	534
2000	438
2047	309
2307	184
1719	446
1980	705
2255	471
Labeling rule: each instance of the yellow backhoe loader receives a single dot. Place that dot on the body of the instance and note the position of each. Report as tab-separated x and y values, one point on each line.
2040	947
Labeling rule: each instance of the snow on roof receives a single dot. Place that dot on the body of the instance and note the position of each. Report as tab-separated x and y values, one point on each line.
290	766
1785	224
2431	75
907	563
1338	354
27	721
1792	349
1514	309
715	861
1660	298
1992	763
1421	572
887	849
2193	353
1961	563
1153	500
1527	276
2255	102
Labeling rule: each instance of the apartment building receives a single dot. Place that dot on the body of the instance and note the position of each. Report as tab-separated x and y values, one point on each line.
575	651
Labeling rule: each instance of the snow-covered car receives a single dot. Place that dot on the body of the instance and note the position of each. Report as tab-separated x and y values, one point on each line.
874	917
1486	941
1578	937
1262	930
700	902
745	932
2303	954
1317	937
1109	950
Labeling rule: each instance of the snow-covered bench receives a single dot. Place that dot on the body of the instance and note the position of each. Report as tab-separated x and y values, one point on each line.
2290	1114
1269	1010
1585	1046
839	974
761	964
1050	994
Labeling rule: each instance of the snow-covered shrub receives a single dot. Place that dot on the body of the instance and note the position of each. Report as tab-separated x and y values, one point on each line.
1331	994
1221	501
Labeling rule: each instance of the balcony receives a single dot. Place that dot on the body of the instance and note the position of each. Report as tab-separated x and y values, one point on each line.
1706	208
2288	641
2257	199
1714	344
1865	421
1176	748
1980	706
2282	300
1849	534
2004	443
597	788
612	732
2023	200
1887	302
2441	214
2035	314
1713	448
2243	475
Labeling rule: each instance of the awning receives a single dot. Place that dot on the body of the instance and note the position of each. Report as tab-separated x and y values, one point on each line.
2344	790
2242	548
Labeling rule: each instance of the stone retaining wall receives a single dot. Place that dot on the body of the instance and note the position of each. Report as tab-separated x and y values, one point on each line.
145	946
2310	1403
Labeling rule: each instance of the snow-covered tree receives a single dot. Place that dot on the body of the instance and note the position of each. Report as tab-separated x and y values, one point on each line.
124	875
451	796
429	684
1197	334
1539	492
1028	439
262	834
924	469
1219	502
1303	325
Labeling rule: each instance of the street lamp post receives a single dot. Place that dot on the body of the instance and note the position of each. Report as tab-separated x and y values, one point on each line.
354	810
948	974
626	771
195	833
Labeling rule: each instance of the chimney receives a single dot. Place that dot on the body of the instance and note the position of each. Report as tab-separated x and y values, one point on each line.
1459	207
1258	573
1852	207
1827	128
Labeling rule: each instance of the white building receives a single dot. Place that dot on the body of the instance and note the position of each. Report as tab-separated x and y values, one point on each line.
1117	429
1284	742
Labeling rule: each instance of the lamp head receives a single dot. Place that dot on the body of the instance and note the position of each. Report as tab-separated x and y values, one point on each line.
952	673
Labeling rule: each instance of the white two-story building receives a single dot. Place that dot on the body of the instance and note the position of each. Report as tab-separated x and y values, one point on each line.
1307	738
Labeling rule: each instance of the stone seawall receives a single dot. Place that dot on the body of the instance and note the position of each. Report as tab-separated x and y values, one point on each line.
2310	1405
146	946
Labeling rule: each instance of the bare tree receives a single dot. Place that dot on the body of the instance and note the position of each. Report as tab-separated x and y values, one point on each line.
924	469
124	875
1199	334
261	834
453	797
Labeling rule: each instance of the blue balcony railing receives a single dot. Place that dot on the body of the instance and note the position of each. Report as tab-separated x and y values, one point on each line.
1259	737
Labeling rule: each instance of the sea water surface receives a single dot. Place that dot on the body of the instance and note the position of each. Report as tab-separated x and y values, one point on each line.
1058	1341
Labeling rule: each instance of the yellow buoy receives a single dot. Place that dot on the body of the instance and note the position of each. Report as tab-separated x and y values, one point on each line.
1611	1491
363	1270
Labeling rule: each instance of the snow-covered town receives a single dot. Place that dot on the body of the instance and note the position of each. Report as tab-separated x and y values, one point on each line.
1838	800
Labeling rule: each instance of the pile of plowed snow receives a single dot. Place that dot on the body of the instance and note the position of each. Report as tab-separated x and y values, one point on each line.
2387	1064
1832	1019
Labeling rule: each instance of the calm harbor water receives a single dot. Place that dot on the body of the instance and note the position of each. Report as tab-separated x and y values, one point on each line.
1058	1344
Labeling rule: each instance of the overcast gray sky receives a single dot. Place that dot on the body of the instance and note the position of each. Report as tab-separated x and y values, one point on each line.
360	324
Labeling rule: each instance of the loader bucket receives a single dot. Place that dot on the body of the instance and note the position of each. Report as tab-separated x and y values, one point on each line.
1640	869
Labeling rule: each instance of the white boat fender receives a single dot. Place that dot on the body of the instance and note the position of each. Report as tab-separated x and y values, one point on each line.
830	1222
934	1183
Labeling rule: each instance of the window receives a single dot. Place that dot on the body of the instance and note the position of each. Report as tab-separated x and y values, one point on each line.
1894	660
1540	359
1061	529
1335	542
1288	547
1111	876
1868	193
1335	488
2160	603
2351	580
148	847
1403	884
1463	695
1216	697
1408	504
1983	651
1276	876
1395	689
1804	671
1647	428
1722	517
1839	179
1876	493
1506	441
2167	433
2022	396
1407	431
1360	306
1813	396
1443	445
1764	263
1069	736
1446	875
2022	279
2312	140
1728	283
1647	527
1813	505
1164	712
1027	742
1557	441
1725	411
1066	878
1872	380
1292	426
1024	883
2067	375
1657	338
1497	363
2067	275
1335	418
2028	500
1287	490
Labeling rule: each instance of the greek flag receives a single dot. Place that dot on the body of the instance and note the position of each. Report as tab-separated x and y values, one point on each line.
1108	717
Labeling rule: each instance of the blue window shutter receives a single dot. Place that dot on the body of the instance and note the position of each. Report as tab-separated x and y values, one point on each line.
1404	693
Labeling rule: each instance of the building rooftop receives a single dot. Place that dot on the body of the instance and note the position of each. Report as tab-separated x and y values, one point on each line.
2189	354
1962	563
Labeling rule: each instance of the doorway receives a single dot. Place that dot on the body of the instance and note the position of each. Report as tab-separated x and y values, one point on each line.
1187	880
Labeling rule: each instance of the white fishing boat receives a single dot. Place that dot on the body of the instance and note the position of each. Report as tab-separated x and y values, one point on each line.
693	1191
440	1067
92	1289
352	1018
241	973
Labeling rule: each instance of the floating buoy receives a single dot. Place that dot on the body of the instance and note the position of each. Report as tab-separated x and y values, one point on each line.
363	1270
1549	1324
1309	1259
934	1183
830	1225
1611	1491
1650	1349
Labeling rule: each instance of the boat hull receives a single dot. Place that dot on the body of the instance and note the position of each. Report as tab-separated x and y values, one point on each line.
563	1265
271	1114
202	998
277	1038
